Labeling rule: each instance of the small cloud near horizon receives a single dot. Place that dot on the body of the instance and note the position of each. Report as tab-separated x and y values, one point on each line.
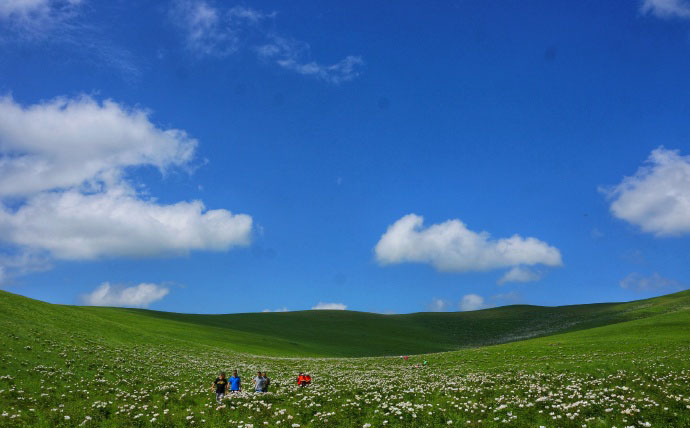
654	282
139	296
329	306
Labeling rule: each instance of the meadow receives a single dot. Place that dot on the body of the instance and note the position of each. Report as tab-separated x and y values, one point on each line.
612	365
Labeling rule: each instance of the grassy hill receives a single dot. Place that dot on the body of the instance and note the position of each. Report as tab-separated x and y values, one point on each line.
603	365
329	333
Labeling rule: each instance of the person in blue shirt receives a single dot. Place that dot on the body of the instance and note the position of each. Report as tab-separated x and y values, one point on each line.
235	382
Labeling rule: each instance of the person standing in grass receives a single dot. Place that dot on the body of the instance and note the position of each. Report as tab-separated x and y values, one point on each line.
267	382
235	382
221	386
259	382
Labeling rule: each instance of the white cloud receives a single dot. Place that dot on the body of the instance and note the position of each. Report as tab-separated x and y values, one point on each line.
37	18
284	309
64	193
666	8
438	305
23	7
292	55
207	31
139	296
330	306
64	142
76	226
654	282
472	302
657	197
520	274
451	246
219	32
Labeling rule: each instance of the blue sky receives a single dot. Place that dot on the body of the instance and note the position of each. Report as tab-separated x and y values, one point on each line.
236	157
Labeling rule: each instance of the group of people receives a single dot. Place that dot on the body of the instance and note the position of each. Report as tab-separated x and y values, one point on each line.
223	385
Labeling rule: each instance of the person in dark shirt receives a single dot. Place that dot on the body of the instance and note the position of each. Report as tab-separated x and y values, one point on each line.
267	382
221	386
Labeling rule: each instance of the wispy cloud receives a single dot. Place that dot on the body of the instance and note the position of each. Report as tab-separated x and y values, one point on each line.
654	282
666	8
216	31
34	19
438	305
65	23
293	55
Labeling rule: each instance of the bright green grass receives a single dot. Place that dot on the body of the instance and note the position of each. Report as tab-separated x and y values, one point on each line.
334	333
616	365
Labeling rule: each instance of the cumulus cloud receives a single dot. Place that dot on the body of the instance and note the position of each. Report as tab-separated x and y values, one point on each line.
654	282
330	306
64	142
472	302
657	197
219	32
64	192
520	274
140	296
451	246
666	8
114	223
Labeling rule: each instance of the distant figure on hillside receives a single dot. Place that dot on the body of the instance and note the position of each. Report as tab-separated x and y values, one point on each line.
267	382
425	363
259	382
221	386
405	358
301	379
307	379
235	382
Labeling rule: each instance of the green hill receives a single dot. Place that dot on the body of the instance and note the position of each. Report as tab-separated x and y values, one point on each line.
601	365
328	333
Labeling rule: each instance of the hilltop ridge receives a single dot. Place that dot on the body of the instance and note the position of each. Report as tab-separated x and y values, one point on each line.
330	333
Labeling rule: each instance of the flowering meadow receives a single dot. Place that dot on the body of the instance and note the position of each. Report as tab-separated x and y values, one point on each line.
630	374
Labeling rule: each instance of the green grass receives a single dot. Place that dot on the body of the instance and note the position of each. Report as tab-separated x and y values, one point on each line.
335	333
604	365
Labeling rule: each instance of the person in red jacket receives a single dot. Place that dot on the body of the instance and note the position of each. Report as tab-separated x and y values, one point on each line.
307	379
301	381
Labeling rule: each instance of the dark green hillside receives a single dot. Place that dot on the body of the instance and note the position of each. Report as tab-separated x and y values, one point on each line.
330	333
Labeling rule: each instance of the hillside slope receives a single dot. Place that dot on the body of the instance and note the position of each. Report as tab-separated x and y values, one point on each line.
326	333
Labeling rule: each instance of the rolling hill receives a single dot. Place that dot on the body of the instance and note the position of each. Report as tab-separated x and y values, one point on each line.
327	333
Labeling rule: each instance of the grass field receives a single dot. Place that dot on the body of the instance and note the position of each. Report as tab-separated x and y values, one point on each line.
604	365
